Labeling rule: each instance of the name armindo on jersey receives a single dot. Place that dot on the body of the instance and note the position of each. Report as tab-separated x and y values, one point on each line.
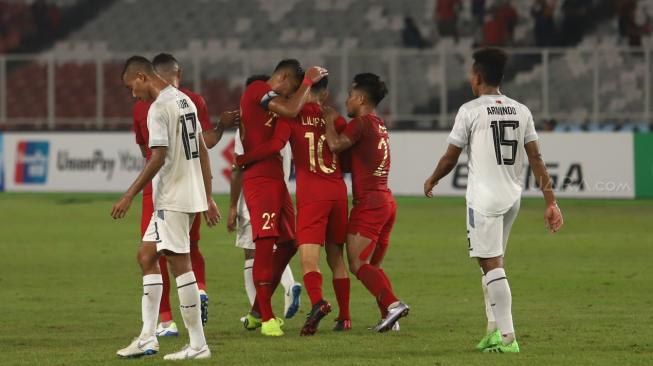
501	111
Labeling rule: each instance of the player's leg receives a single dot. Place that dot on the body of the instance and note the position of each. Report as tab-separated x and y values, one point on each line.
336	237
291	293
197	261
486	244
167	326
147	257
247	276
175	243
341	284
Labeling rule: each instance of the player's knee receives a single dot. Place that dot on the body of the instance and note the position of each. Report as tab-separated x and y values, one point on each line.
354	266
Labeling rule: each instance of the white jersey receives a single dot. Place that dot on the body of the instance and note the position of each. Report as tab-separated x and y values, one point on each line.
494	129
287	161
172	122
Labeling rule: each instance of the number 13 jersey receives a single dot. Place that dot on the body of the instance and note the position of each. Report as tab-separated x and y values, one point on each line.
172	123
494	129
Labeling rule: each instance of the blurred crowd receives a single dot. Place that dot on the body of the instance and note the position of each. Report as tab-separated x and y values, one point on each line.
21	20
555	23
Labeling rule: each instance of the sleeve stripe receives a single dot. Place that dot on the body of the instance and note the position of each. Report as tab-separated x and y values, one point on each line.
267	98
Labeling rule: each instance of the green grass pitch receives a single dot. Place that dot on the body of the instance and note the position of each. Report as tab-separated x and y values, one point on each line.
70	289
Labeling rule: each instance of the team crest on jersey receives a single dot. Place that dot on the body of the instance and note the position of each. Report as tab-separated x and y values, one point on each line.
498	101
32	159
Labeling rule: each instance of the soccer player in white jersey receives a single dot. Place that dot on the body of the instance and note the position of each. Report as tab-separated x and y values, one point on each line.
238	221
495	130
181	179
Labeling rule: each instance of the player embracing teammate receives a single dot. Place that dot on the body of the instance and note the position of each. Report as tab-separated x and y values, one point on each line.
266	195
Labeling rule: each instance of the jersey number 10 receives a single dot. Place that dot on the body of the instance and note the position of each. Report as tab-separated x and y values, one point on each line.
319	151
189	135
498	134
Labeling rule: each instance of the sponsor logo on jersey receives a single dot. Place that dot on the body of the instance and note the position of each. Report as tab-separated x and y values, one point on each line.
32	159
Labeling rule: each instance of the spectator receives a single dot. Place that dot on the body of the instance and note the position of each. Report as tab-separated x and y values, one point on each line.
625	13
411	35
478	11
495	32
573	22
543	11
446	16
549	125
639	25
507	14
41	15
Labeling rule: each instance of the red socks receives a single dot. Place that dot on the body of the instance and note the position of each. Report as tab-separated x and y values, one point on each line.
263	277
197	262
165	313
384	309
375	282
341	287
313	284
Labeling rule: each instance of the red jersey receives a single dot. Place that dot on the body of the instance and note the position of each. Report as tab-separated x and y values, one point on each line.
257	127
319	175
140	122
370	155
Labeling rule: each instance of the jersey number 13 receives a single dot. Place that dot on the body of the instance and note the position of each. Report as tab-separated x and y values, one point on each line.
189	135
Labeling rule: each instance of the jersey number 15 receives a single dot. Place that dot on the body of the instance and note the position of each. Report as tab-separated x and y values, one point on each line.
499	137
189	135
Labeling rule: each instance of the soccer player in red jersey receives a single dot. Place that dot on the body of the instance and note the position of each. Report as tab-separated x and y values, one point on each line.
373	215
321	203
266	195
168	68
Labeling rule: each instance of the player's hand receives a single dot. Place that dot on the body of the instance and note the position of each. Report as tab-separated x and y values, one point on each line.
316	73
329	114
231	220
229	119
239	160
120	208
553	218
428	187
212	215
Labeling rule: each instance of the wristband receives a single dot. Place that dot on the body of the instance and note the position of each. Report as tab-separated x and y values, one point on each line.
308	82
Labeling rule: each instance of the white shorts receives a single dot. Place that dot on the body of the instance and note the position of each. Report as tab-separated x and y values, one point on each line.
488	235
243	227
170	231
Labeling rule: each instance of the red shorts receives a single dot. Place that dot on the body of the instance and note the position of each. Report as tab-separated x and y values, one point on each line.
373	217
148	210
322	222
271	212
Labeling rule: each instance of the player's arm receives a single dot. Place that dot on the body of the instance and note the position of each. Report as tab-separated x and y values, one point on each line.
212	215
290	107
234	194
150	169
278	141
552	215
445	165
226	120
337	142
143	150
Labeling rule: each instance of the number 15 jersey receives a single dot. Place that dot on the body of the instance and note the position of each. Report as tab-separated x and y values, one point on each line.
172	123
494	129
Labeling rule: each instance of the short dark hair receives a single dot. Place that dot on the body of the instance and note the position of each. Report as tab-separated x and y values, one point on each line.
164	59
320	85
139	62
490	63
291	65
257	77
372	85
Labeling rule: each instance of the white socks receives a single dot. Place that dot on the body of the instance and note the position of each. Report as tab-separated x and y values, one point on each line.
287	279
152	289
491	323
189	302
501	302
249	281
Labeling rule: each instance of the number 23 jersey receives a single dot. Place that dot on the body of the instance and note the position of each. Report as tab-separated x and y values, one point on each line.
494	129
172	123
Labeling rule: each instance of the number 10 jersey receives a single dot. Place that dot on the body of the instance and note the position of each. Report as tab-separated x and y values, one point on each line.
172	123
494	129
